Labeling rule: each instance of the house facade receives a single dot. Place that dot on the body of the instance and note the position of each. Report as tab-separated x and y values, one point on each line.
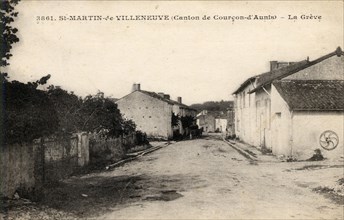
221	124
287	109
206	121
216	121
152	112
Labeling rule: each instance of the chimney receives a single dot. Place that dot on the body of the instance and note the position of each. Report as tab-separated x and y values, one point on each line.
166	96
339	51
161	94
136	87
273	65
179	99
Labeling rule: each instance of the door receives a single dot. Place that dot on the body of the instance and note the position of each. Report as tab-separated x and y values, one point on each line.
277	138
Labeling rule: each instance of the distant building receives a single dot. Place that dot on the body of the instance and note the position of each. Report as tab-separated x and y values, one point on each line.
215	121
230	121
221	124
289	109
152	112
206	121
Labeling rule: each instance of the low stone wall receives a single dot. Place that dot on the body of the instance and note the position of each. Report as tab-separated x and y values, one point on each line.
111	149
26	167
17	164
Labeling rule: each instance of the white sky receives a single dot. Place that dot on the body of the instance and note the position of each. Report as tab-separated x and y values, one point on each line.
198	60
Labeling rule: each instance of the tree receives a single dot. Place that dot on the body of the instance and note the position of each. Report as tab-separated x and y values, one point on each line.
29	113
94	113
8	33
175	119
187	121
101	113
68	107
213	106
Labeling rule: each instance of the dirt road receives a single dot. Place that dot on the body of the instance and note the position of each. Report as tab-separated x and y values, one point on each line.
207	179
202	179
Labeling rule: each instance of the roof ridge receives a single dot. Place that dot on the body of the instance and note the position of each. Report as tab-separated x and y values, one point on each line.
170	101
307	64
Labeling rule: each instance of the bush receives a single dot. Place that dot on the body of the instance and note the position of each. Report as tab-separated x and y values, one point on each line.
28	112
141	138
31	113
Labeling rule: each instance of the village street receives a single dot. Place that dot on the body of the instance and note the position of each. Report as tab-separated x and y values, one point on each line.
199	179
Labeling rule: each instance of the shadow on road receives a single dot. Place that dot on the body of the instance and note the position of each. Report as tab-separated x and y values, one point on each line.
93	196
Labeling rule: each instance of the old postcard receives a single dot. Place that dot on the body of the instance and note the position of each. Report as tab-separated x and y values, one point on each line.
172	109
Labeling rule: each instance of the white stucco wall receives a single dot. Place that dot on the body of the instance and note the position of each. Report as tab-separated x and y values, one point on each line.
221	124
281	124
151	115
207	122
297	133
245	124
307	128
262	118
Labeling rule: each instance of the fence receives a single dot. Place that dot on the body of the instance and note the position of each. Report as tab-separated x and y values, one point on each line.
25	168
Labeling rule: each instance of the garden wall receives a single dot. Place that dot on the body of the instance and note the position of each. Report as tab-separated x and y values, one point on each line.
26	167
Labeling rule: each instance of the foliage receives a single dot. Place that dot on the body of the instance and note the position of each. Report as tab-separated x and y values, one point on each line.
100	113
96	114
8	33
174	119
29	113
187	121
67	106
213	106
141	138
32	113
128	126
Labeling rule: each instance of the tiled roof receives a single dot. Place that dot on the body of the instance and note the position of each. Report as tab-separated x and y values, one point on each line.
182	105
245	83
169	101
280	73
155	95
312	95
267	78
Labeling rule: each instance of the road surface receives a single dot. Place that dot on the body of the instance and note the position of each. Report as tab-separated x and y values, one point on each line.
207	179
197	179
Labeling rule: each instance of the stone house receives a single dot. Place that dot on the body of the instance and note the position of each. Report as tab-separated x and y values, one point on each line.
152	112
288	109
221	124
206	121
214	121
